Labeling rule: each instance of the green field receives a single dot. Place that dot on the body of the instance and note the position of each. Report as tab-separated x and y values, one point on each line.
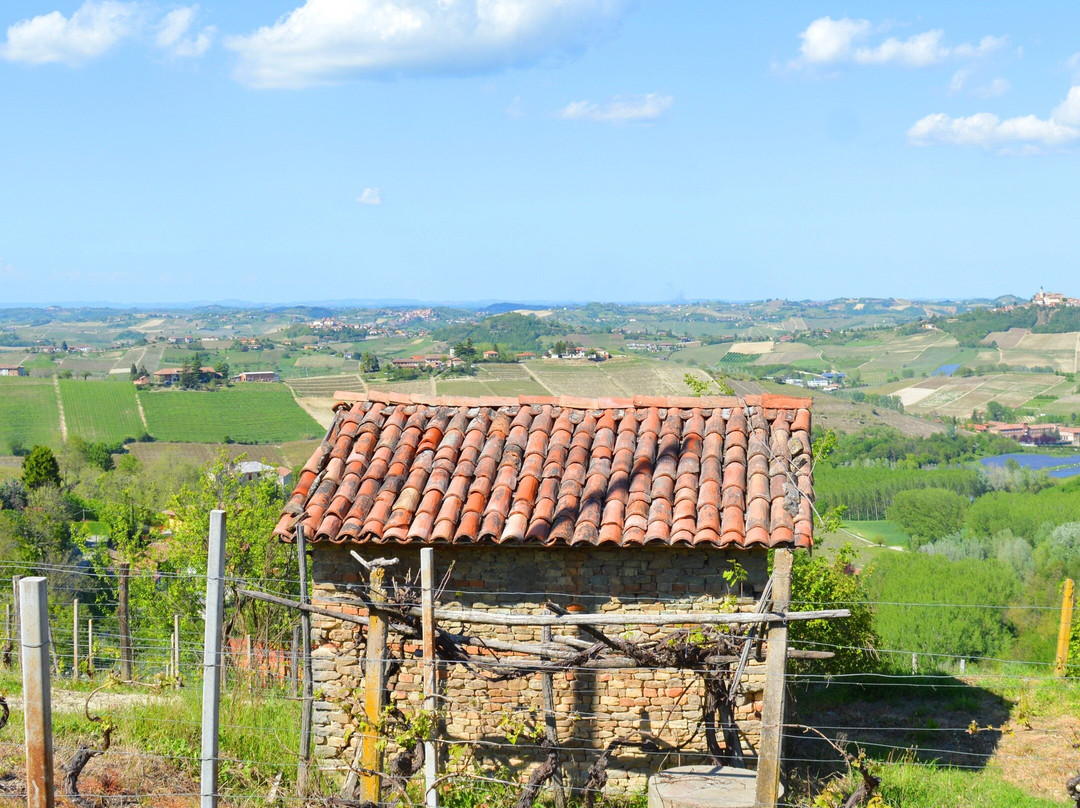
105	411
28	413
878	531
254	413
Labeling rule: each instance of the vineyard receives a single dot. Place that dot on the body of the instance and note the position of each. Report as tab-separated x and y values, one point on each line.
256	413
101	411
28	413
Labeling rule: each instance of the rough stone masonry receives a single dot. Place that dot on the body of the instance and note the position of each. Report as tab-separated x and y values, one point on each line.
481	720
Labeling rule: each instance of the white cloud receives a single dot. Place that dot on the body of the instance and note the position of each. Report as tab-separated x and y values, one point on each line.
370	196
90	31
988	131
994	89
328	40
620	109
173	27
844	41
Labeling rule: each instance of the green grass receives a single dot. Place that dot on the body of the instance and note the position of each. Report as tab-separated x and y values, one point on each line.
254	413
28	413
105	411
879	531
909	785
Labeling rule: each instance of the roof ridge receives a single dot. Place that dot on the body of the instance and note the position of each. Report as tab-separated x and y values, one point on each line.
767	400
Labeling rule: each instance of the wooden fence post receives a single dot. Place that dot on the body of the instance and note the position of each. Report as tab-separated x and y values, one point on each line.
374	685
75	640
309	688
772	713
294	652
176	651
211	695
9	638
427	628
1061	664
127	661
18	620
550	729
90	648
37	692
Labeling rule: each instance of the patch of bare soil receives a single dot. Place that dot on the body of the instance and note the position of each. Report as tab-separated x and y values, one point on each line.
70	701
1040	755
119	777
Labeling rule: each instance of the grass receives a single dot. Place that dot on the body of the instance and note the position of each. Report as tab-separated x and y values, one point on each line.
28	413
879	531
254	413
105	411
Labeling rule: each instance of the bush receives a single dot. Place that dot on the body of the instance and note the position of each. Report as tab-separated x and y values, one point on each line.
818	583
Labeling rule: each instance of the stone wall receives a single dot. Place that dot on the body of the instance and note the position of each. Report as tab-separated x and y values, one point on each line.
593	707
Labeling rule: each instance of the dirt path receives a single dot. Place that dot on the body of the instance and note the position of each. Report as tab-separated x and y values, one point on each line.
73	701
537	379
60	407
142	415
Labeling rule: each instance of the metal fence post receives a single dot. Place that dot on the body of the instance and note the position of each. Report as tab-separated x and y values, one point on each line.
37	691
215	606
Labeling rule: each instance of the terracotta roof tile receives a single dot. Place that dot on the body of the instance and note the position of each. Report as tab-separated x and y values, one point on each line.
719	471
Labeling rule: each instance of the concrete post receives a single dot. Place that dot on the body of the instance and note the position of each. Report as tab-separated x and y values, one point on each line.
427	627
37	692
75	641
215	607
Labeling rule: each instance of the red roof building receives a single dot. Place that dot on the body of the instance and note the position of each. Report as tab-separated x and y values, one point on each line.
667	470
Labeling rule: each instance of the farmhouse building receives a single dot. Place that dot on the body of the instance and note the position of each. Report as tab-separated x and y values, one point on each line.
256	376
599	505
12	370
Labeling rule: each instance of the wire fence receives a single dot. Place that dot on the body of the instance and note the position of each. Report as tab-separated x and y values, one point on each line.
492	732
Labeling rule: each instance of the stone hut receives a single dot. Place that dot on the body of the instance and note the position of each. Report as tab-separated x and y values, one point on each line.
631	505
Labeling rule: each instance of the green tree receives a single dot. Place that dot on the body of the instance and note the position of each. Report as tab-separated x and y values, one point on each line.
40	468
928	514
44	527
369	363
820	583
133	373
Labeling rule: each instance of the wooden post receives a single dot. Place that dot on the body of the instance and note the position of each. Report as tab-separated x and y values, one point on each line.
177	677
294	678
18	621
211	695
8	636
75	641
550	728
374	688
127	662
37	692
772	713
309	689
427	628
90	649
1061	664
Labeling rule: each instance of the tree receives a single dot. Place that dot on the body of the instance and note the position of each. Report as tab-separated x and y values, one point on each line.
12	495
369	363
465	350
222	367
928	514
820	583
40	468
134	372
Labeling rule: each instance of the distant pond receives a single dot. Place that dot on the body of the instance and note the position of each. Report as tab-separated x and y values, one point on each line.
1057	466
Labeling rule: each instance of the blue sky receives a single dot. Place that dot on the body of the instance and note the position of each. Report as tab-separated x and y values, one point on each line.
536	150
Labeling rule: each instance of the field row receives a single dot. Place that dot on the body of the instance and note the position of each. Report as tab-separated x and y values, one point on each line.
114	411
